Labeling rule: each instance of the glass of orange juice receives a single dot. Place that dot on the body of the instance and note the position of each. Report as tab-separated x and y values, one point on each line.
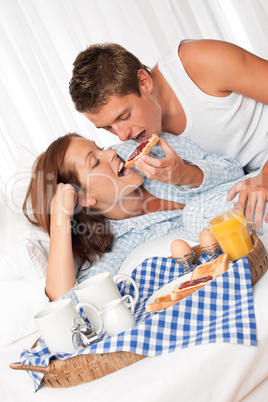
230	230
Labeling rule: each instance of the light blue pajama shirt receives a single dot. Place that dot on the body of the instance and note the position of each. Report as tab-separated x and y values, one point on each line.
220	174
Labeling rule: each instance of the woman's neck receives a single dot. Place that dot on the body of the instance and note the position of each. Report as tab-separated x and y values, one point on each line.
140	202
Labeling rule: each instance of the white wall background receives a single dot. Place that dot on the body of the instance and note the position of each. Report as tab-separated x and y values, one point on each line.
264	4
39	40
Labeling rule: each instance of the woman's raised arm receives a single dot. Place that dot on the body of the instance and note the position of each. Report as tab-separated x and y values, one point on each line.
60	277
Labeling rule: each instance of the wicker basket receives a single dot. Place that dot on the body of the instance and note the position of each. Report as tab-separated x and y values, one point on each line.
86	368
80	369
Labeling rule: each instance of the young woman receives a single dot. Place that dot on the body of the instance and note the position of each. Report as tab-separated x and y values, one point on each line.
210	91
93	207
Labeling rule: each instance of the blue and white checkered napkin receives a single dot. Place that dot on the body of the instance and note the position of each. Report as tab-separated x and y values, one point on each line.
221	311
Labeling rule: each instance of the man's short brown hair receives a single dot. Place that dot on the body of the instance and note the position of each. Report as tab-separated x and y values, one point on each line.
103	70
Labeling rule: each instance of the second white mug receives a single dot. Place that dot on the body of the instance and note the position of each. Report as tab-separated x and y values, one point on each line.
102	288
115	316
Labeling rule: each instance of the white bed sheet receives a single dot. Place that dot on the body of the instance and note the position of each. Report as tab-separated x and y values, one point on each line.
219	372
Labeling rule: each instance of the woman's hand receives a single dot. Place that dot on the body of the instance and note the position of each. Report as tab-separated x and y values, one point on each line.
171	169
64	201
253	193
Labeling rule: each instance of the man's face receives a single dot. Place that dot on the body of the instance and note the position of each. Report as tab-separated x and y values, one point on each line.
129	117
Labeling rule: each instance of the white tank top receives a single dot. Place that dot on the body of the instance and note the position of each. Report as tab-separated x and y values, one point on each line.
233	125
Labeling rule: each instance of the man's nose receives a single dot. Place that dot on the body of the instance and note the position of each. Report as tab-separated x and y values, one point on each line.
123	133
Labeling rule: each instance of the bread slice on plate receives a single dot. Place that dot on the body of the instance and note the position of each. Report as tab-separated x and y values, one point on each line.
160	305
201	275
184	289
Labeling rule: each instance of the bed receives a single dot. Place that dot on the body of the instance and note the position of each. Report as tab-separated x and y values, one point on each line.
214	372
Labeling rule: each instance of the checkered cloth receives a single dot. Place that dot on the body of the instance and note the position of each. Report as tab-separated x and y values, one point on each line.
221	311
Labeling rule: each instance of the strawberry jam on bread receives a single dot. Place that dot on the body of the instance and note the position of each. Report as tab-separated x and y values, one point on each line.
143	149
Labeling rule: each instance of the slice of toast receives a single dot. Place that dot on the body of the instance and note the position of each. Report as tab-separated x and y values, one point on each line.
143	149
214	268
160	305
189	287
208	271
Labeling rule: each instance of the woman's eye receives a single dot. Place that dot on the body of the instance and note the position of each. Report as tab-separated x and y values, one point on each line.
96	163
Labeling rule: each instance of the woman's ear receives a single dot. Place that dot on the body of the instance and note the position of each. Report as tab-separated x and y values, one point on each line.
86	201
145	82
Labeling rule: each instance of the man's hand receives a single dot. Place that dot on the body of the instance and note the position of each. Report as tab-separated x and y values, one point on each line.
254	193
171	169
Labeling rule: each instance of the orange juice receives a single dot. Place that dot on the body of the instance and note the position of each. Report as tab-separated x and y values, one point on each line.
230	229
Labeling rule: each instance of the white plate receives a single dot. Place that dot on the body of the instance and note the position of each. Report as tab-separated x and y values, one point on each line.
168	288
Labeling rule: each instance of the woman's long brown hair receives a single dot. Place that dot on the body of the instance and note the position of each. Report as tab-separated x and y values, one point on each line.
91	235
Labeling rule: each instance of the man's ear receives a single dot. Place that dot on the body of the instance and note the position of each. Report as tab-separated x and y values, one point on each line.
86	201
145	81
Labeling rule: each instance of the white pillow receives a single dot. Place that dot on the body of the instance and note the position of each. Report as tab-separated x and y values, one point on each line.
26	248
19	302
156	247
23	258
22	284
16	190
32	255
4	211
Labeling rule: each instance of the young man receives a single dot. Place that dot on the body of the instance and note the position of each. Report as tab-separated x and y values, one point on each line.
212	92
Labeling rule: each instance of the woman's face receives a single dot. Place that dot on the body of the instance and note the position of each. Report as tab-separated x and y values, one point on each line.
104	182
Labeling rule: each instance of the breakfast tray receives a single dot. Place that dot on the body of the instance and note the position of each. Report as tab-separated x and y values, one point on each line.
88	367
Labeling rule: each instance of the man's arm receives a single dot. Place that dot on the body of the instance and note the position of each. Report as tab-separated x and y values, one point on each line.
219	68
207	170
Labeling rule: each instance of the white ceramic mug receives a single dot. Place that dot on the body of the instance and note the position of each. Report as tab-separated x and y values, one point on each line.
116	315
99	290
102	288
55	324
